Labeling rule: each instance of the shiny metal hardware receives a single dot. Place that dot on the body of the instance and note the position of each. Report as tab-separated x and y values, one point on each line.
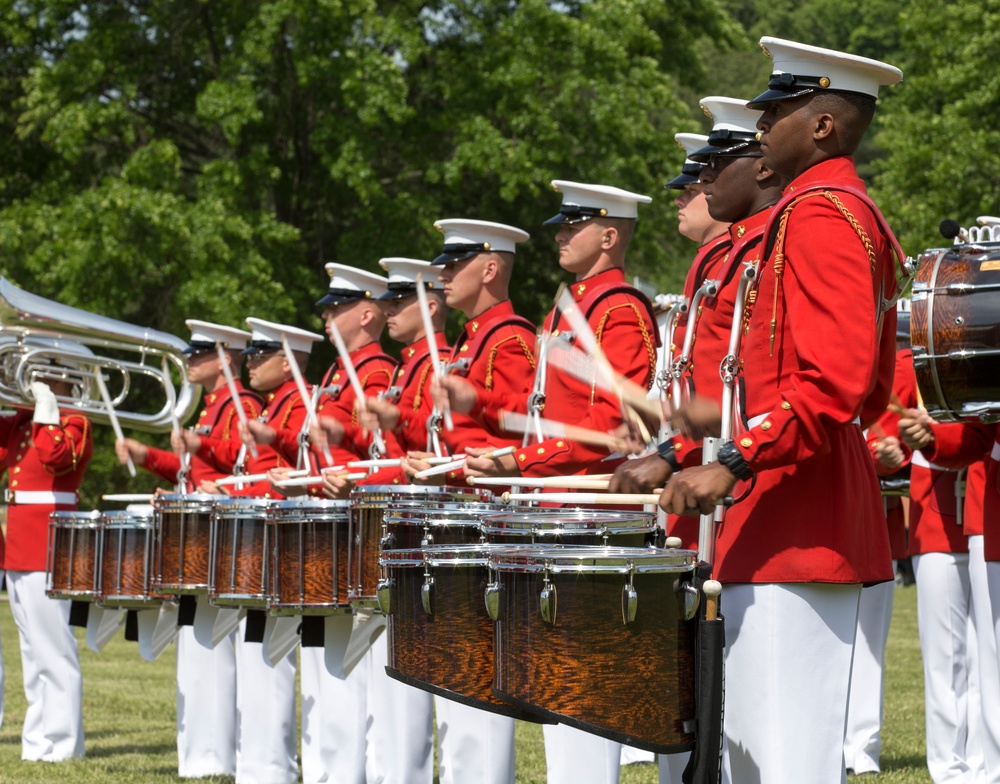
427	592
547	601
689	597
494	599
428	538
383	594
630	601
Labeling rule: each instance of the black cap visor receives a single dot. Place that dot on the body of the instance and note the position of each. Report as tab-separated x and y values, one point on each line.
262	347
455	252
574	213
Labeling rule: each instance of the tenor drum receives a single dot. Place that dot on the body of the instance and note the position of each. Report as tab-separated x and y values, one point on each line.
309	570
440	637
368	508
601	639
551	526
955	332
182	542
73	570
407	528
241	552
127	561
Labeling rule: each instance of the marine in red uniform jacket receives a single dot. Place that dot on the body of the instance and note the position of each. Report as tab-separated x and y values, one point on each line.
40	458
622	320
375	370
218	420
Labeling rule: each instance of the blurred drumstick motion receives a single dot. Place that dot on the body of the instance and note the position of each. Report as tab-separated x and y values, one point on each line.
394	462
456	463
236	479
425	315
112	416
128	498
352	375
521	423
308	400
590	499
176	428
234	394
586	482
305	481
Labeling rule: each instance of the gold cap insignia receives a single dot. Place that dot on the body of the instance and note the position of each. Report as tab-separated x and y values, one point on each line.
824	82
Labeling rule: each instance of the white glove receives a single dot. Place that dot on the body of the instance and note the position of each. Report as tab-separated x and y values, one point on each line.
46	408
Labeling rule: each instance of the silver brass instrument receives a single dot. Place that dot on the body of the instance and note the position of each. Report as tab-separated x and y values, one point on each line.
45	340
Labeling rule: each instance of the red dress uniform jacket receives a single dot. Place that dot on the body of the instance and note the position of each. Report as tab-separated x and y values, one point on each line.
410	390
904	387
622	320
375	370
217	420
496	350
40	458
712	324
815	513
286	413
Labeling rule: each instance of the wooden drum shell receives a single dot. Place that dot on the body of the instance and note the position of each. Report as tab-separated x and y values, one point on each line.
73	570
127	561
241	554
183	542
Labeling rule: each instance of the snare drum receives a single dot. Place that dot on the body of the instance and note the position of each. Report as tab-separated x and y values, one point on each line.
182	543
955	331
127	560
407	528
368	508
309	570
440	637
601	639
550	526
74	558
241	552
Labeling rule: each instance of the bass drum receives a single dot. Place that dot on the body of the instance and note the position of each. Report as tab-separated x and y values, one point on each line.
955	332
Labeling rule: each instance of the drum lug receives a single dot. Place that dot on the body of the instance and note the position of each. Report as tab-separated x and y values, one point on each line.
428	538
388	542
690	599
494	600
630	602
427	594
383	592
547	602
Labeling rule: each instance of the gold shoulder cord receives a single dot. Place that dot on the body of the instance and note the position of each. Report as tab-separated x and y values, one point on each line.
779	246
528	353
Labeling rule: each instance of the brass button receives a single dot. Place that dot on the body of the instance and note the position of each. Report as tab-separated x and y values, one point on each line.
522	458
766	426
746	442
13	483
465	347
560	444
17	470
786	405
541	450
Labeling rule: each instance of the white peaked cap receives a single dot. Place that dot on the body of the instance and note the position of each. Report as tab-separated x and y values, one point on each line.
730	114
800	69
205	335
690	142
582	201
464	239
266	336
348	284
988	220
403	276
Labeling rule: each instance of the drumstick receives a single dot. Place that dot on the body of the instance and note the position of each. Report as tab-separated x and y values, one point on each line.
112	416
304	394
304	481
520	423
425	314
352	375
235	480
128	498
392	462
444	468
568	482
712	589
579	499
234	394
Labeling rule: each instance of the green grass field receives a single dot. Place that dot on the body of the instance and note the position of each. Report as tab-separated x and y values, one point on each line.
129	716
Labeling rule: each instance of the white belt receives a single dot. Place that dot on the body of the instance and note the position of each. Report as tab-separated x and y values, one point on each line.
995	454
918	459
754	421
40	497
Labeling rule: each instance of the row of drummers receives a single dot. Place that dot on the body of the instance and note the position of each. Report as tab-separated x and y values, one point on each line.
530	614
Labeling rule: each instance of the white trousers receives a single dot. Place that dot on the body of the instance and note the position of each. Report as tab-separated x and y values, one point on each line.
988	662
943	616
788	670
401	726
206	706
633	756
53	685
863	736
265	715
474	746
573	756
670	767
